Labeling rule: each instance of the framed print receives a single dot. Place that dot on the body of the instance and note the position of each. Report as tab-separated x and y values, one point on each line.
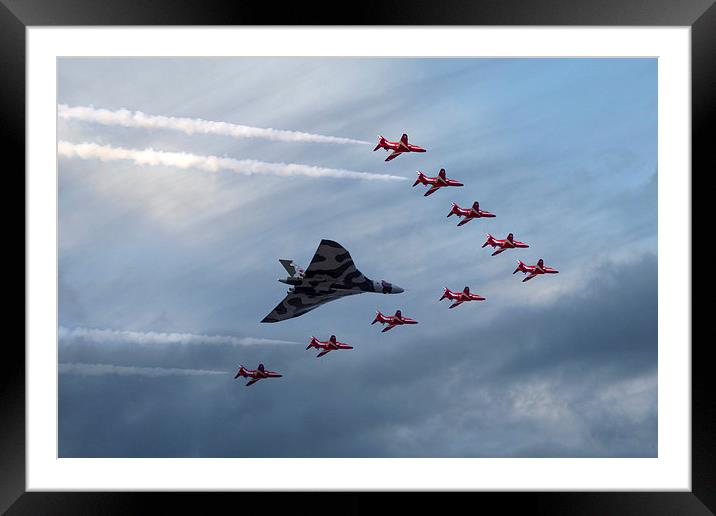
471	215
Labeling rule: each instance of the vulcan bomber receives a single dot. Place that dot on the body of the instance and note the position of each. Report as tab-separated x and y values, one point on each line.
331	275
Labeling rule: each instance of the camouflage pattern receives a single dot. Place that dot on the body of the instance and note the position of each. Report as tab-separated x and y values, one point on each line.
331	275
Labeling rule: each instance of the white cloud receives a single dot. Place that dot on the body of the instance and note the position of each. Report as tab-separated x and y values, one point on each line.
186	160
632	399
102	336
126	118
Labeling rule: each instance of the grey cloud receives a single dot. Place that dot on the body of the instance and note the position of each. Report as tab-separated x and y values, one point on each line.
533	383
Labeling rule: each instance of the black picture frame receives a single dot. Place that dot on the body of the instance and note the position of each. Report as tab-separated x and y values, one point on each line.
16	15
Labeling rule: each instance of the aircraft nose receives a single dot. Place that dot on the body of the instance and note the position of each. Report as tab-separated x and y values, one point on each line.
397	289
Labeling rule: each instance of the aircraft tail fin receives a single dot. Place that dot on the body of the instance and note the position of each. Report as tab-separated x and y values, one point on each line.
290	267
445	294
241	372
519	266
377	317
381	141
489	238
419	179
453	210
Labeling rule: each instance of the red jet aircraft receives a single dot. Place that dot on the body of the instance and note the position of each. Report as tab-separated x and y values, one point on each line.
507	243
398	147
392	320
437	182
460	297
256	374
534	270
473	212
328	346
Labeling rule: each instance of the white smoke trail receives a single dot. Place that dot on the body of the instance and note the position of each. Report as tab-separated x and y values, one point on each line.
151	372
185	160
126	118
104	336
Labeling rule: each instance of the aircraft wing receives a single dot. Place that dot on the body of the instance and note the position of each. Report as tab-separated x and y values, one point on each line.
501	249
389	327
532	275
333	266
394	155
297	304
253	381
432	190
456	303
465	221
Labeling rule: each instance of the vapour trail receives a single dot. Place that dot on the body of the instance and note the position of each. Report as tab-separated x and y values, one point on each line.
151	372
105	336
186	160
127	118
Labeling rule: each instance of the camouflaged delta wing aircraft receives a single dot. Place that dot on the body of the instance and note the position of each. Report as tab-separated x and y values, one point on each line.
330	275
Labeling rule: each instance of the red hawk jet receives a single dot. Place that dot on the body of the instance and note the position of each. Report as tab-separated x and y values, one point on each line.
437	182
256	374
534	270
328	346
507	243
392	320
473	212
460	297
398	147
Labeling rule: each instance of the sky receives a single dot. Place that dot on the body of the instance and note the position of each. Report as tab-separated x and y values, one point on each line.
170	234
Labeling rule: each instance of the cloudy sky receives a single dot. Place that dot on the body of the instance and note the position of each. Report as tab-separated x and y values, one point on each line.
170	233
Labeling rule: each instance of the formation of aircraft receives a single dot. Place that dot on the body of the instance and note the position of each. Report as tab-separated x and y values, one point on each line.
392	320
460	297
473	212
503	245
332	274
398	147
534	270
256	374
437	182
330	345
